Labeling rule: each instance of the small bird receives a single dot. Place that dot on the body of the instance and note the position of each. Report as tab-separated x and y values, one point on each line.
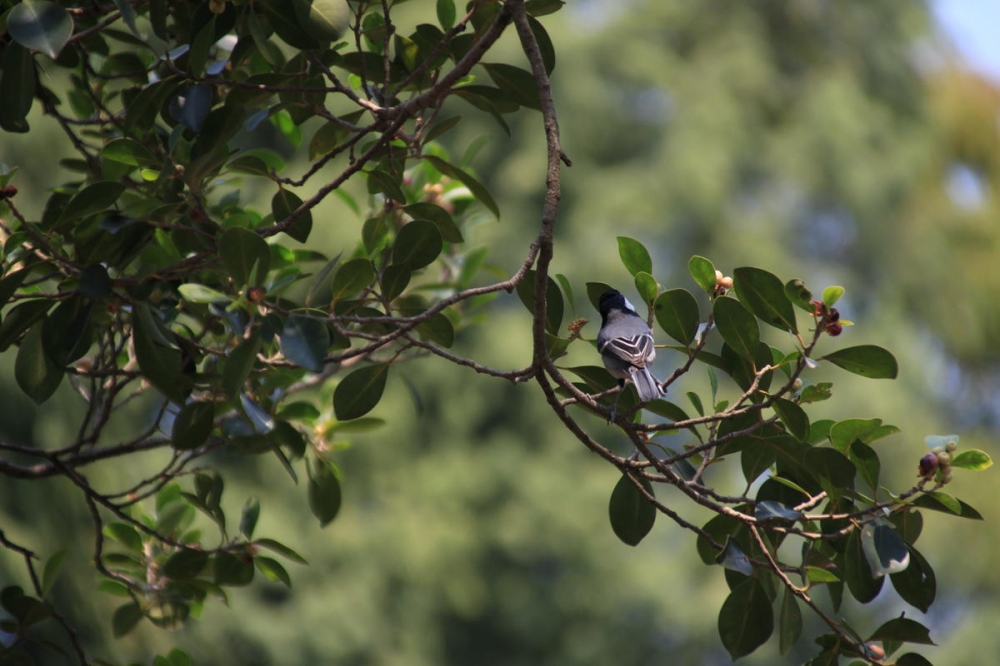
625	342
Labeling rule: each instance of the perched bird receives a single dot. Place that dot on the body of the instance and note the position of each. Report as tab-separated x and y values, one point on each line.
626	346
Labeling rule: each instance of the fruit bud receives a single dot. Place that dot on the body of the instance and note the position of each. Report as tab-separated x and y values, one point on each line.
928	465
834	329
943	458
951	446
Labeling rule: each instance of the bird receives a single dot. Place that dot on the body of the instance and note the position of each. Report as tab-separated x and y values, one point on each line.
625	343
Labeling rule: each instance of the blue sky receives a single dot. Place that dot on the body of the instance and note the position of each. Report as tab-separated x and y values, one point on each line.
974	28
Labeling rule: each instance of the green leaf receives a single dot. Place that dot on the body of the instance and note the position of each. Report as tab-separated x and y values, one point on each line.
441	218
324	491
40	25
857	572
844	433
244	254
789	622
36	374
867	463
545	46
158	362
543	7
973	459
272	570
446	13
746	620
382	183
394	280
917	585
516	83
939	501
647	287
94	198
17	88
634	255
283	204
185	564
238	365
359	392
869	361
304	340
677	314
417	244
52	568
913	659
95	283
231	569
632	515
764	295
794	418
324	20
904	630
124	534
797	292
553	300
352	277
477	189
125	619
831	295
248	519
19	318
703	272
281	549
199	293
737	326
192	425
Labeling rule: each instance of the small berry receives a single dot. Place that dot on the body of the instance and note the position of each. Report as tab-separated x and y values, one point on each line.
951	446
833	329
727	282
928	465
937	449
834	315
255	294
797	384
943	458
875	651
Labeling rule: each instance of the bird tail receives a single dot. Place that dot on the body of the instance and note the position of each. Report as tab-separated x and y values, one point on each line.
645	384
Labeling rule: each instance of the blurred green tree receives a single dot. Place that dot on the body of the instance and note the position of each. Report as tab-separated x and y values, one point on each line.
178	282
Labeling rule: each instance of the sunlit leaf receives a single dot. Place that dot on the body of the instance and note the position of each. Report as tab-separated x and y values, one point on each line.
634	256
40	25
869	361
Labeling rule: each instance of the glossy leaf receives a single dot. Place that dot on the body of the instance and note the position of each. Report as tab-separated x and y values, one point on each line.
794	418
516	83
903	629
844	433
158	360
764	295
304	341
441	218
703	272
737	326
831	295
733	558
93	198
446	13
17	88
869	361
417	244
352	277
789	623
857	572
746	620
917	584
238	365
797	292
939	501
199	293
40	25
248	519
36	374
677	314
324	491
477	189
394	280
632	515
231	569
324	20
283	204
634	255
973	459
124	534
193	425
646	285
867	463
244	254
360	391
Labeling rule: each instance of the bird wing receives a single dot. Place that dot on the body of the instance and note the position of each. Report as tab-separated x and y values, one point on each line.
635	350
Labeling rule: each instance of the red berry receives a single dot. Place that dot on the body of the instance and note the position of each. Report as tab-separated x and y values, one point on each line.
834	329
928	465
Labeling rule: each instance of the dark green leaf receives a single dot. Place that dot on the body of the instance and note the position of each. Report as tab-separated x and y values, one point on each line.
746	620
304	341
281	549
632	515
798	294
94	198
477	189
857	573
939	501
789	623
867	463
20	318
95	283
869	361
359	392
553	300
485	103
283	204
272	570
324	20
381	182
324	491
517	83
677	314
394	280
145	107
446	13
905	630
439	216
913	659
417	244
244	255
844	433
248	519
545	45
17	88
192	425
158	362
125	619
352	277
232	569
634	256
764	295
647	287
917	585
438	329
52	568
36	374
737	326
794	418
185	564
543	7
238	365
124	534
40	25
703	272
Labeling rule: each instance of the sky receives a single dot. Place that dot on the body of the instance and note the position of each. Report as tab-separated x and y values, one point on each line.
974	27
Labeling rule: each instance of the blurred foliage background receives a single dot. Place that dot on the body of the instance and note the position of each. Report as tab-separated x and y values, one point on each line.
842	143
